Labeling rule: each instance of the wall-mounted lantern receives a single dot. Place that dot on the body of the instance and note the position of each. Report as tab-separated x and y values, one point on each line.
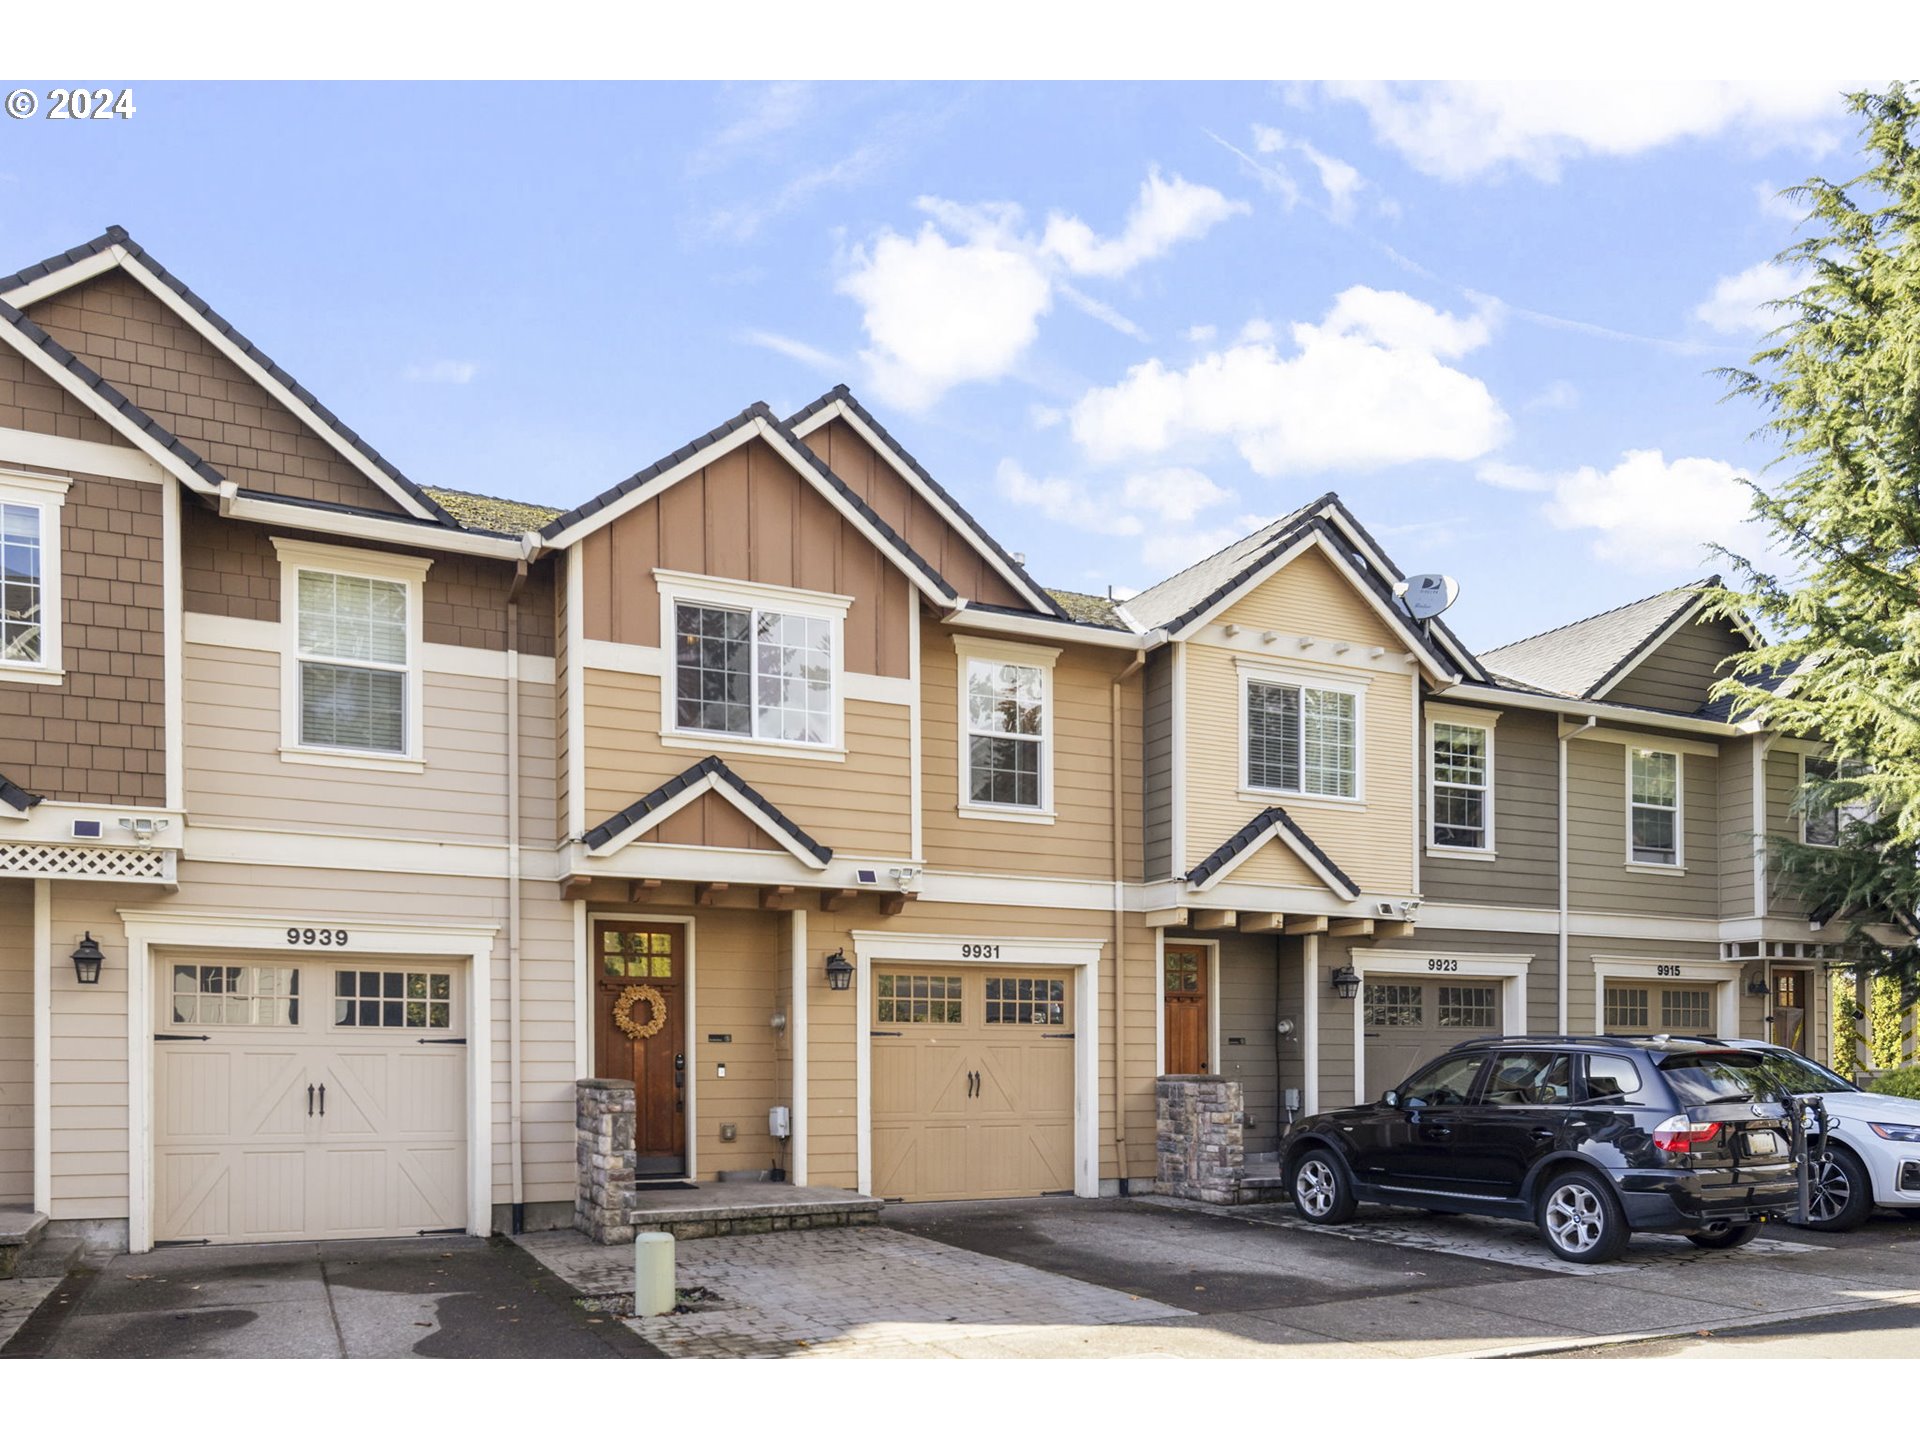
1346	982
839	971
1759	989
86	960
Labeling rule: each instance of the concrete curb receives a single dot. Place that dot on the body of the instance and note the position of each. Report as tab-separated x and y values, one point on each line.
1560	1346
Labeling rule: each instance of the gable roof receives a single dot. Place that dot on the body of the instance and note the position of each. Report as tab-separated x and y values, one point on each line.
492	514
1581	659
757	419
116	247
17	799
840	401
1272	823
710	774
1203	589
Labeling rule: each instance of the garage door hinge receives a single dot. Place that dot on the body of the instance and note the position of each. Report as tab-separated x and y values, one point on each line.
456	1040
1058	1035
894	1034
185	1037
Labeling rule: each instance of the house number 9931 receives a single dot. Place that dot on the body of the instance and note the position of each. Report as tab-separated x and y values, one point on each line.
296	935
979	952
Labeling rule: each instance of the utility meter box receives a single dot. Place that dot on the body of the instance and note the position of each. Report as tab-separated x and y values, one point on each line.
780	1122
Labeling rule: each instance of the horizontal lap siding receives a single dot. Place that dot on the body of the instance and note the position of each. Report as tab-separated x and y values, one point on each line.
1783	820
1680	672
858	806
1737	828
89	1056
16	1042
1249	1000
1597	837
1079	842
1525	822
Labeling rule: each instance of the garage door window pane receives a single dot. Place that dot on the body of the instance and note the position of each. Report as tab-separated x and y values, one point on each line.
1026	1000
266	995
1689	1011
1393	1005
1466	1007
392	1000
917	999
1626	1008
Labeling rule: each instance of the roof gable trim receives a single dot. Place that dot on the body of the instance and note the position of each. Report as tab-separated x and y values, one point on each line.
710	776
1271	824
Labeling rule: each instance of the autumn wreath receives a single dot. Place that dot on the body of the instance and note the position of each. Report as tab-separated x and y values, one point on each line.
623	1011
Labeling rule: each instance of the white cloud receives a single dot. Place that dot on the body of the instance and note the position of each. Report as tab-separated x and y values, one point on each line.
1650	513
1200	334
1175	494
1738	303
1257	332
1167	211
770	111
442	372
743	220
961	299
1555	395
812	356
1045	417
1506	476
1341	181
1469	129
1065	501
1366	388
1776	206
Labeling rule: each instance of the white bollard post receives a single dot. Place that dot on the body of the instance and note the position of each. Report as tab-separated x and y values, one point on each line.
652	1273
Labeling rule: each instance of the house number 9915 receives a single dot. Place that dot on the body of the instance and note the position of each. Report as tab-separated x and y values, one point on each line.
298	936
1667	970
979	952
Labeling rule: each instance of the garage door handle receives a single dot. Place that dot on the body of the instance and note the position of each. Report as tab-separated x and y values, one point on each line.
455	1040
309	1099
323	1100
183	1037
889	1034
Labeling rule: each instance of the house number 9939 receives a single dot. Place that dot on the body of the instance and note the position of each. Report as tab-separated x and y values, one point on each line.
296	935
979	952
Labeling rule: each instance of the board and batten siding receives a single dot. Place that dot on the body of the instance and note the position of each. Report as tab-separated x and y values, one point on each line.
1249	1043
1526	835
1373	840
1599	877
1679	673
857	806
1079	842
16	1042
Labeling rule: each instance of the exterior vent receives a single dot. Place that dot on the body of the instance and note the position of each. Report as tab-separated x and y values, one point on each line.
88	862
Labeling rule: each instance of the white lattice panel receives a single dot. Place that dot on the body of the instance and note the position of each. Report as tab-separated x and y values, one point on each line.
87	862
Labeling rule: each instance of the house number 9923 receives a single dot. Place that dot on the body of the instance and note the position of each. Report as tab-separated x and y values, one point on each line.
296	935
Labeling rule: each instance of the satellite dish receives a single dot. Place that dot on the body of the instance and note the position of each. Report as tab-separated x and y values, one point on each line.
1426	596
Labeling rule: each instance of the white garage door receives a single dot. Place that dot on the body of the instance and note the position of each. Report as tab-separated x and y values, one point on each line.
1408	1022
299	1100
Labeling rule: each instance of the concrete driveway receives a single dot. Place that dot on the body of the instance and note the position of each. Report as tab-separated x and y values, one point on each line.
444	1296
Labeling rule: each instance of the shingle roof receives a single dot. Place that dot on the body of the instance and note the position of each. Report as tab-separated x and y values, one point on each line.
1086	609
1168	604
841	394
1255	832
1579	659
713	765
759	410
115	235
493	514
19	799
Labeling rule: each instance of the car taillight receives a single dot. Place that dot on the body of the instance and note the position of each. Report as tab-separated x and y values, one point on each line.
1679	1135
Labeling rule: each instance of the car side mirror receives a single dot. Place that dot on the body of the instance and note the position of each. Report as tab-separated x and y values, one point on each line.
1391	1099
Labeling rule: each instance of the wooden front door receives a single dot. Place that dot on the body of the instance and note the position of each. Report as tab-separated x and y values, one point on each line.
1187	1006
1790	1009
640	986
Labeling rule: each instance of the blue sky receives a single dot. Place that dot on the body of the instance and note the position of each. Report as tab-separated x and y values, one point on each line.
1123	322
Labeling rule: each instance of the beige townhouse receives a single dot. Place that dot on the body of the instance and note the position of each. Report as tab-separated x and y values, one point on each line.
347	824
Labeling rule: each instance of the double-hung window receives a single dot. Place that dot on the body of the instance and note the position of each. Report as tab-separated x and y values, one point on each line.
1302	739
763	674
1462	786
1653	807
1006	729
1825	821
352	667
30	577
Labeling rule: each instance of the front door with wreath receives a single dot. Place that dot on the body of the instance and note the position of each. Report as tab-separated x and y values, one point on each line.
640	1033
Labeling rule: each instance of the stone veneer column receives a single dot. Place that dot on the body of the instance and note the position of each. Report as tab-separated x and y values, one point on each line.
603	1147
1201	1138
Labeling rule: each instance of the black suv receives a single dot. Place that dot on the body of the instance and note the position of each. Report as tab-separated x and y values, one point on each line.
1591	1137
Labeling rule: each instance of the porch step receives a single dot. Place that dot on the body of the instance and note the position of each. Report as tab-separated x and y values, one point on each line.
19	1227
749	1208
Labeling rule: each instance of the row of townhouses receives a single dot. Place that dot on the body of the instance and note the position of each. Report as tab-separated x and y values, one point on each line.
346	824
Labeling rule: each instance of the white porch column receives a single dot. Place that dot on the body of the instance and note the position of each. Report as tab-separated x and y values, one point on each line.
1310	1024
42	956
797	1034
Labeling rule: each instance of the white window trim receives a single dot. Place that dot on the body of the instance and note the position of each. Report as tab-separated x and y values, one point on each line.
1652	867
46	494
1251	674
409	570
750	595
967	649
1465	720
1842	813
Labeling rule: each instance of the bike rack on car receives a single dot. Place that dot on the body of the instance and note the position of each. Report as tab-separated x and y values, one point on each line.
1809	1147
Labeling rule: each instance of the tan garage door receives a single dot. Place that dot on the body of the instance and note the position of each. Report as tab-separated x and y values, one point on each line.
972	1082
1408	1022
296	1100
1645	1007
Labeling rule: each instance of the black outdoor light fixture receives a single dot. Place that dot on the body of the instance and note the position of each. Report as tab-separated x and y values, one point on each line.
1346	982
839	971
86	960
1758	988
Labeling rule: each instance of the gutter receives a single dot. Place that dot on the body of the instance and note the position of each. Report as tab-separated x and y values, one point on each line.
1120	926
1037	627
516	1166
1596	710
1566	919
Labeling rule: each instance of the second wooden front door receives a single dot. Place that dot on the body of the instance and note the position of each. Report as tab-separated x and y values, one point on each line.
640	1032
1187	1010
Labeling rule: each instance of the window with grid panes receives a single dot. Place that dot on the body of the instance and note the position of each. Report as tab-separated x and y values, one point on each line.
1026	1000
1393	1005
259	995
637	954
393	999
352	654
1302	740
767	674
1465	1007
1626	1007
1686	1011
917	999
22	593
1654	807
1182	972
1006	733
1462	786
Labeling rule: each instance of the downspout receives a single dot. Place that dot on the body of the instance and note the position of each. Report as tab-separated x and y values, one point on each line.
1120	928
1565	912
516	1165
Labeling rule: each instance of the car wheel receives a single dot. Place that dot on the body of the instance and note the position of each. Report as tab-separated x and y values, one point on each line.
1840	1195
1725	1235
1321	1191
1579	1218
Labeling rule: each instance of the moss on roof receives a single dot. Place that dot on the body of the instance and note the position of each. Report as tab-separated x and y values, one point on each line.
1088	609
490	512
